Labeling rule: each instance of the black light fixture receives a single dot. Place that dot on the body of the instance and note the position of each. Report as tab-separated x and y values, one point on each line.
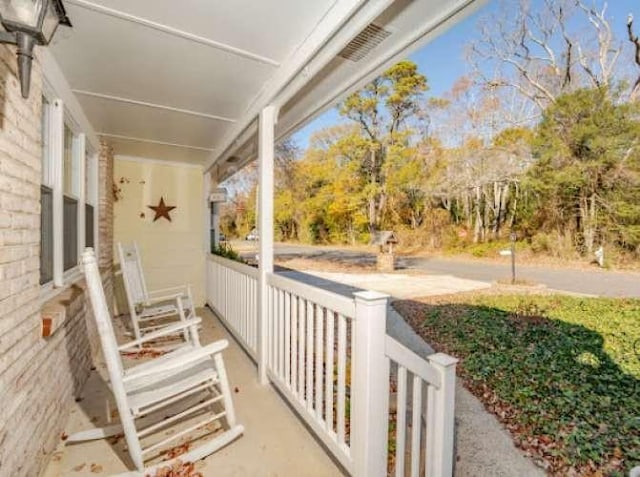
29	23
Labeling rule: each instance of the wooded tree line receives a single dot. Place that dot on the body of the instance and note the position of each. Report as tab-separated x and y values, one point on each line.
546	145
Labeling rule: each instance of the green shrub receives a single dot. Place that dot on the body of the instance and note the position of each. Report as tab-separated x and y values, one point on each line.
487	249
226	251
541	243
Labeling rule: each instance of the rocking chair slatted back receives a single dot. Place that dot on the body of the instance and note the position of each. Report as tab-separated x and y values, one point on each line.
101	313
146	306
110	351
132	273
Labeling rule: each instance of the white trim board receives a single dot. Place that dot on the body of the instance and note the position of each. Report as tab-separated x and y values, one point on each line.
146	104
161	162
153	141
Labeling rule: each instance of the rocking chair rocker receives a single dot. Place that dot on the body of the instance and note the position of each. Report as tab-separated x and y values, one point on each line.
146	307
179	377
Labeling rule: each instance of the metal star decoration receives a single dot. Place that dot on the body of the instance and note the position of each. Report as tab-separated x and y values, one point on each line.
162	210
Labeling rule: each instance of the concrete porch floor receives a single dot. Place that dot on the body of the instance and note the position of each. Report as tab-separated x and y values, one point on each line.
275	442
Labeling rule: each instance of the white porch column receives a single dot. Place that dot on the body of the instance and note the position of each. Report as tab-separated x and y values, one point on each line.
208	223
370	381
266	145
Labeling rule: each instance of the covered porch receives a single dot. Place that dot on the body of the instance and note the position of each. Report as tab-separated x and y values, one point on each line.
147	101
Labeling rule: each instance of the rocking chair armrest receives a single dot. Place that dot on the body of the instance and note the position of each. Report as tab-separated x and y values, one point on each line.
160	298
180	289
178	362
167	330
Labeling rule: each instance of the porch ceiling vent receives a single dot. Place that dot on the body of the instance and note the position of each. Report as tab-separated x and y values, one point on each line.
366	41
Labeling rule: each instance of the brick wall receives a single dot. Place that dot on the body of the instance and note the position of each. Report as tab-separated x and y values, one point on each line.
39	378
105	203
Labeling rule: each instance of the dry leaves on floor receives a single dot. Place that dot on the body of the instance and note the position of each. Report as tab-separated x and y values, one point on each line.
176	451
178	469
143	353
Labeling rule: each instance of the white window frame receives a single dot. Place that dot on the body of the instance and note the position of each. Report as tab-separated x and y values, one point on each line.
53	176
90	194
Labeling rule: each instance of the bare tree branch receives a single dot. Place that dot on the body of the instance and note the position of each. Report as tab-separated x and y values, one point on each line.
633	38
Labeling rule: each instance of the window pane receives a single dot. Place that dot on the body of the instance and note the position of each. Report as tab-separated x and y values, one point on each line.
88	226
68	186
70	238
46	235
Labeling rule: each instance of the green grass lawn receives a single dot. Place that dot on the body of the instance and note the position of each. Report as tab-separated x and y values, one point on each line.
560	372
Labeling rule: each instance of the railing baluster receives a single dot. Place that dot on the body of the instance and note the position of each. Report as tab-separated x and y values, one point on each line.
416	425
329	370
302	350
294	344
254	314
401	420
309	391
243	306
281	334
342	355
319	359
276	331
287	338
270	330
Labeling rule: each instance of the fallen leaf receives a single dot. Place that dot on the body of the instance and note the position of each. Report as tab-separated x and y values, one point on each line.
96	468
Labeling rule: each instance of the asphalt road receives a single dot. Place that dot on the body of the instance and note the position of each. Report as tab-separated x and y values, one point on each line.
590	282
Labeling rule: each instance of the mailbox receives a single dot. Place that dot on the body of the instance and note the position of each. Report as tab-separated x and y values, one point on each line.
385	239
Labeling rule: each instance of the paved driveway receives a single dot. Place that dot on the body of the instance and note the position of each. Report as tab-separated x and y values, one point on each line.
590	281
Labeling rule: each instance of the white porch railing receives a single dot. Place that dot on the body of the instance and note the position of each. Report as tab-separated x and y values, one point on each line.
232	291
310	347
427	421
330	357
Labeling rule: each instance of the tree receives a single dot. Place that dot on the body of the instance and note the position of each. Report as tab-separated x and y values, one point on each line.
479	184
382	110
587	175
542	54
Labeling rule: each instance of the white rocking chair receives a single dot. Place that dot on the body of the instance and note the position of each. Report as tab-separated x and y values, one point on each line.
146	307
140	391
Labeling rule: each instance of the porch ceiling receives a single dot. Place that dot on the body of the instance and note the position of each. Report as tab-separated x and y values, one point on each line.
185	81
160	71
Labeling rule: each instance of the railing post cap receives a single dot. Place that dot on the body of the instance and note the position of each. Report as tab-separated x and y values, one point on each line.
370	297
442	359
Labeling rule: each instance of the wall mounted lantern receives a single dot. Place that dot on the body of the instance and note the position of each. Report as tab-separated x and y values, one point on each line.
29	23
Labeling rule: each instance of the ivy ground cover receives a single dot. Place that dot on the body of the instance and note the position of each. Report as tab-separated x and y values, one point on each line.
562	373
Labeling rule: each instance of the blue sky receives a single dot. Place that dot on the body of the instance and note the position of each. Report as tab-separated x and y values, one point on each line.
442	60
